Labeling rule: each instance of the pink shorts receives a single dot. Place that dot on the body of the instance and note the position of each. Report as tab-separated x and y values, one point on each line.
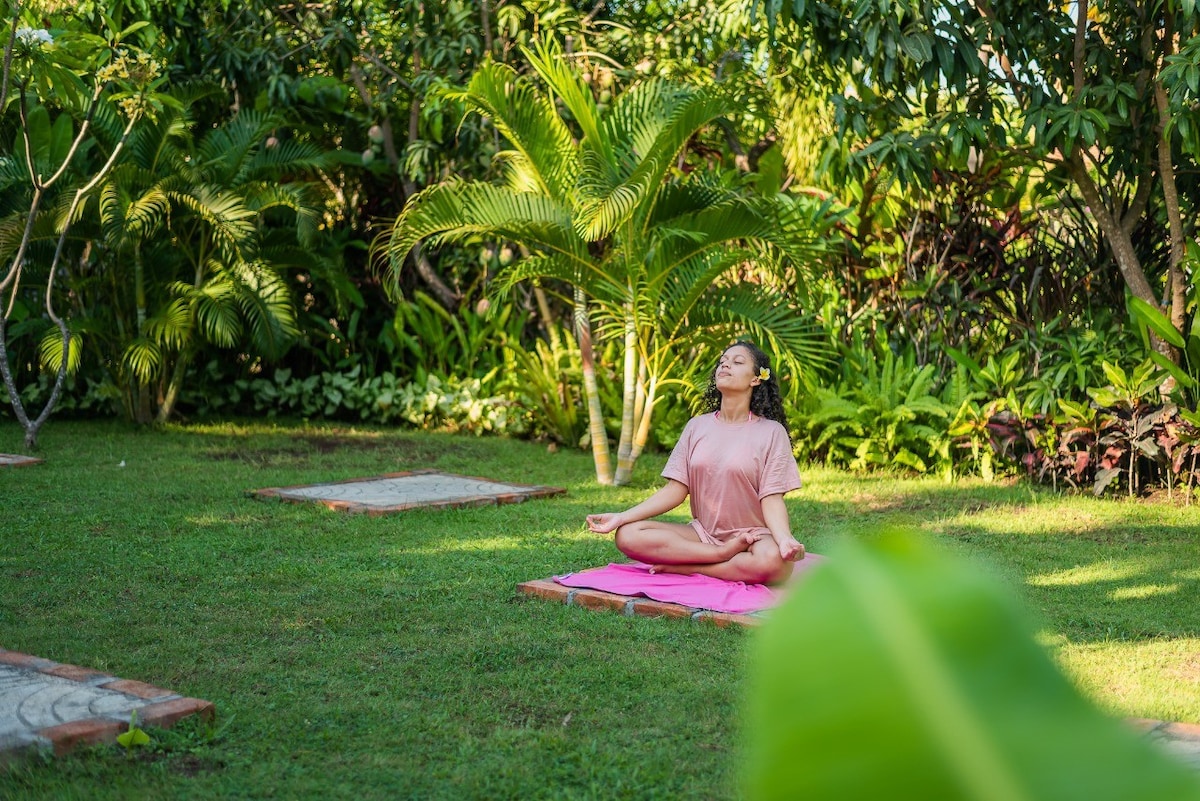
704	536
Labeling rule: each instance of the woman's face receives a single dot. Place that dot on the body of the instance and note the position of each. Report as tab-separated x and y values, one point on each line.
736	370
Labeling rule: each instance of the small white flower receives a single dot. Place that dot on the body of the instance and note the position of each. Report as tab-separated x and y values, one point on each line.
122	464
30	36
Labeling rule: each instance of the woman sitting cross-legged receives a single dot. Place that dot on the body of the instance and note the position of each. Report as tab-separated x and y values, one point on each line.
735	464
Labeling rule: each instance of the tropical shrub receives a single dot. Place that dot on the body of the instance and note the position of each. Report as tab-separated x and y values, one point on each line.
882	413
544	381
427	338
1126	437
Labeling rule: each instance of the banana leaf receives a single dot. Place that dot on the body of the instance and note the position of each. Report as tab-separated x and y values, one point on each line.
896	671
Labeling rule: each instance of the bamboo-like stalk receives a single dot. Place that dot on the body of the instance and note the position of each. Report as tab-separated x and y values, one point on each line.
628	401
591	391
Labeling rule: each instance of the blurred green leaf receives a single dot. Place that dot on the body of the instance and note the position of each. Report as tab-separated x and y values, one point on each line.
896	671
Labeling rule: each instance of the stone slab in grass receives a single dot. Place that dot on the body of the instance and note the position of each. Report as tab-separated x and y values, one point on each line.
16	460
53	707
397	492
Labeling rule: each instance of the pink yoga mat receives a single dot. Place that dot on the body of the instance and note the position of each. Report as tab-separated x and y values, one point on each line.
696	591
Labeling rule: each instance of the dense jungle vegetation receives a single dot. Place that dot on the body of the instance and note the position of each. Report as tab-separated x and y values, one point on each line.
967	236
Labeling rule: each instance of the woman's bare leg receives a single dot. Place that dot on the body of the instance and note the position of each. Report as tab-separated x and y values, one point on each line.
760	564
656	542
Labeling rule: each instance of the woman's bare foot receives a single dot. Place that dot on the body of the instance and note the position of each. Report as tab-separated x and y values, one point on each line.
727	550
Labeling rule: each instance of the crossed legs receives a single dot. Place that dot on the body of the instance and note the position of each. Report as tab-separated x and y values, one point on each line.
677	548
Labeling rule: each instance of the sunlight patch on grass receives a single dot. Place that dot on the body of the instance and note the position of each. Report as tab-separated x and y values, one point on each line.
447	545
1156	678
1089	574
1142	591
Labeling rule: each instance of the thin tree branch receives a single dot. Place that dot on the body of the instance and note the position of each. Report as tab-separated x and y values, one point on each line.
8	51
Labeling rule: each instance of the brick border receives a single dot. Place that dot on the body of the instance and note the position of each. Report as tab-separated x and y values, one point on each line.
629	605
18	460
161	708
526	492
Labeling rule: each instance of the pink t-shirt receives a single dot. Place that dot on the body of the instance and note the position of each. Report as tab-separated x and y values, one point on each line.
729	469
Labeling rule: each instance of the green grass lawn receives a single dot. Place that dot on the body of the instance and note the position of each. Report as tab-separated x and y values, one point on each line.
389	657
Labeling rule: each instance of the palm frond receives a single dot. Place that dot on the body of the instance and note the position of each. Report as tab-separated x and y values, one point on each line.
143	358
172	325
451	211
44	234
803	227
553	67
542	145
640	114
678	291
222	156
151	139
12	228
765	316
647	148
112	210
687	196
604	204
145	213
287	157
50	350
537	267
216	311
266	303
224	212
13	172
296	197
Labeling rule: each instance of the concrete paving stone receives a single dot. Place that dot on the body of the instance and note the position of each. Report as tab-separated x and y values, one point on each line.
51	706
30	700
397	492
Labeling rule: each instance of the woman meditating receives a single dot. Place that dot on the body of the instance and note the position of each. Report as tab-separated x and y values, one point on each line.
735	463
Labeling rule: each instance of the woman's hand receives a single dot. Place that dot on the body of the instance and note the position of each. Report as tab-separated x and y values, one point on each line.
776	516
604	523
790	550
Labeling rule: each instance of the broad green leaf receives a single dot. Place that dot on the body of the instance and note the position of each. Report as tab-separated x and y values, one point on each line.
1173	369
896	671
964	359
1075	411
133	738
1105	477
1155	320
134	28
1104	398
61	135
1116	376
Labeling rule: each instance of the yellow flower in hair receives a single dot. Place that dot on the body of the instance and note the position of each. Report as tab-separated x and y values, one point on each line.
764	374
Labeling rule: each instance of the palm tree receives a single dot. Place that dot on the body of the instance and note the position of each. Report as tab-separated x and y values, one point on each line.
191	219
651	251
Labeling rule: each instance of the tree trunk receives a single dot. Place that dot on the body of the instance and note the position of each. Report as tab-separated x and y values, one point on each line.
1176	294
628	401
642	433
446	296
1119	240
167	407
591	391
32	427
449	298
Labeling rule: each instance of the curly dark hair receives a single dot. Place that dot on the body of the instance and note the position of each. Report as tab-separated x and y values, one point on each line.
765	399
